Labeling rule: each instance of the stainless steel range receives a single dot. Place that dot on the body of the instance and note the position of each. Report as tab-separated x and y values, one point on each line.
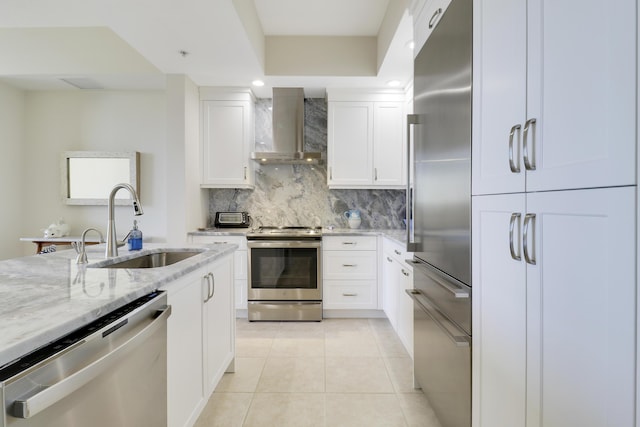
285	274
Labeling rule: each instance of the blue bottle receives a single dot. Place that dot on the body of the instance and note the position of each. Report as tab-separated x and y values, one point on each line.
135	238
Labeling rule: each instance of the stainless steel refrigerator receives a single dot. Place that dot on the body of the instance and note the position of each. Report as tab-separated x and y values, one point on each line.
439	208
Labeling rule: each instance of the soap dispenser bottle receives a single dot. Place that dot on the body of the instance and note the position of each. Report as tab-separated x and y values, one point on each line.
135	238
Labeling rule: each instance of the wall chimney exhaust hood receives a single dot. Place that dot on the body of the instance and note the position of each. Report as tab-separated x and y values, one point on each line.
288	131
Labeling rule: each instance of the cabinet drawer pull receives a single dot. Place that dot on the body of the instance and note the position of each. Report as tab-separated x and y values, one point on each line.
397	252
404	272
345	294
245	173
349	265
529	257
529	160
375	174
512	223
349	243
432	21
389	259
515	168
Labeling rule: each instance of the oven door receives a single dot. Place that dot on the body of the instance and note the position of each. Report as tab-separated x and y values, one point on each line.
285	270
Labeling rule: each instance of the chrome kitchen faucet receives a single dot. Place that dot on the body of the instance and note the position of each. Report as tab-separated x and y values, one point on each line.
112	241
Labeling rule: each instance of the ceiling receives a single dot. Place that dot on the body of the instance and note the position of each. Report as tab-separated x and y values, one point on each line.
124	44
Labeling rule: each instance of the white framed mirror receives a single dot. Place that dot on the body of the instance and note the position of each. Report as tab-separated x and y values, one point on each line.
89	176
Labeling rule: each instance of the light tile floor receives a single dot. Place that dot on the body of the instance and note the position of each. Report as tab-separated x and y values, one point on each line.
338	372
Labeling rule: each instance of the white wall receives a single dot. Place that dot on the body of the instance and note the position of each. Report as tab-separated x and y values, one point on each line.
12	118
58	121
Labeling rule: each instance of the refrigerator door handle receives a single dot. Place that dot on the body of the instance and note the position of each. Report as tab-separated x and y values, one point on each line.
412	119
436	276
515	168
460	339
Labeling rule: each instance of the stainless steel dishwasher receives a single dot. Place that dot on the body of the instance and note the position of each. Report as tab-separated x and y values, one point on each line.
111	372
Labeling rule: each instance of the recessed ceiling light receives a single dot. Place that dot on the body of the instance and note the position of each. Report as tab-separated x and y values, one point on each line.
393	83
258	83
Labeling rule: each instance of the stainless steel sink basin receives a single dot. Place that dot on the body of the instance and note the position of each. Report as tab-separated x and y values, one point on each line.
152	260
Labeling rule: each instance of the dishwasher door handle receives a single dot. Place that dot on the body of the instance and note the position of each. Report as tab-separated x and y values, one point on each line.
37	403
460	338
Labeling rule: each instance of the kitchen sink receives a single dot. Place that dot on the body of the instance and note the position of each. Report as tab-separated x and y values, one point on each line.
152	260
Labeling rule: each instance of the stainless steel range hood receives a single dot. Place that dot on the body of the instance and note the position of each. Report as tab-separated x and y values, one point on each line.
288	131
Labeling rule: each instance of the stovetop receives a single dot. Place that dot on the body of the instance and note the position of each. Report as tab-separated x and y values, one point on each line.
275	232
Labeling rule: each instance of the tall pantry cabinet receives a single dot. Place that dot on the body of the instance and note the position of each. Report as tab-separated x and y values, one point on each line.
554	213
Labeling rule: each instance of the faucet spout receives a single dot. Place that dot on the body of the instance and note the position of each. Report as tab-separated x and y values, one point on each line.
112	241
82	245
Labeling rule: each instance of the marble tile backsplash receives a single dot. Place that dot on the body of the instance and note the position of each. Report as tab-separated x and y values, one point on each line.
298	194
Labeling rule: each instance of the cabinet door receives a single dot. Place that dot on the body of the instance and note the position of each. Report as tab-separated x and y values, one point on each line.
219	323
185	394
389	148
405	310
582	91
350	143
226	140
499	94
581	315
390	286
499	312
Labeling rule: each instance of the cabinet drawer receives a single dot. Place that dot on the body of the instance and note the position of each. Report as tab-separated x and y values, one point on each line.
342	243
341	294
396	251
241	241
350	265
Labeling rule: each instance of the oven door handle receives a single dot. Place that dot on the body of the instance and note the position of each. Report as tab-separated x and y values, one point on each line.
27	408
460	338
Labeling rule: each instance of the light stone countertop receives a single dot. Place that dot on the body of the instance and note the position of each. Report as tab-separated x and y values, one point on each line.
399	235
43	297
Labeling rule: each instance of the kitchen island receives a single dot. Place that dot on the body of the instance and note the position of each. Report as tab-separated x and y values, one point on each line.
47	296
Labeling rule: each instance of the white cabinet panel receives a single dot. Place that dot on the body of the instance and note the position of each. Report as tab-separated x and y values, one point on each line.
499	313
227	140
554	331
389	148
350	265
581	309
571	113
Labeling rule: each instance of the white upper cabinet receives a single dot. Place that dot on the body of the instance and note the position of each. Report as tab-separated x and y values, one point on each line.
554	95
366	147
227	138
426	15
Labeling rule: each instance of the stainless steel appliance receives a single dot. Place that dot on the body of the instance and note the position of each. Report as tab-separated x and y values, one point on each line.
232	220
112	372
285	274
439	210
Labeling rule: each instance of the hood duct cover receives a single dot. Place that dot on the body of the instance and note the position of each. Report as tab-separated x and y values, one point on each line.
288	130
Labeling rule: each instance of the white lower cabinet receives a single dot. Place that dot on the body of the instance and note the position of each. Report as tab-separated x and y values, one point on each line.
397	276
554	309
239	264
200	338
350	272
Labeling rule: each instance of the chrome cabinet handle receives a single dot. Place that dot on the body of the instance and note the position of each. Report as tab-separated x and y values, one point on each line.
404	272
529	257
349	265
349	243
245	173
432	21
208	282
515	168
213	284
375	174
512	223
397	252
344	294
389	259
29	407
330	173
412	119
529	161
